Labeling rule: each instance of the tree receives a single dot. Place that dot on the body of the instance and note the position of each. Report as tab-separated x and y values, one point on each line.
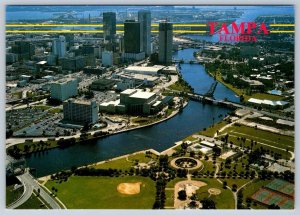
182	195
208	204
216	150
234	187
273	206
193	204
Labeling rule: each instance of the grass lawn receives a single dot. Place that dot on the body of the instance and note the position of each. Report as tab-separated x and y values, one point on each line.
208	166
238	182
242	92
41	107
12	195
190	138
281	141
265	96
84	192
51	144
223	201
142	120
122	163
55	110
210	131
169	198
32	203
179	87
239	166
171	184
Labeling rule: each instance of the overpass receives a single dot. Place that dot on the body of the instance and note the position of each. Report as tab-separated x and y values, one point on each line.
30	184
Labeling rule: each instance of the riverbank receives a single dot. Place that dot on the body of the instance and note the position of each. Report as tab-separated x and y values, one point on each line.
241	92
52	144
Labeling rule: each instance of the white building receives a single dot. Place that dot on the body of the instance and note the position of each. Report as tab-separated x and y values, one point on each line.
107	58
59	46
146	70
144	17
64	89
134	101
80	111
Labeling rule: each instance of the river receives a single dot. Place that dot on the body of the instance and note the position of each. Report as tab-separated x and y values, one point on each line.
195	117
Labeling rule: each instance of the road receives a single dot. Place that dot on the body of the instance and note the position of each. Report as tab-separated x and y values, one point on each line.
31	184
28	190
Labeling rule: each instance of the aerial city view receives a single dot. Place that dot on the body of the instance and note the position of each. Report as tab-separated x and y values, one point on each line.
150	107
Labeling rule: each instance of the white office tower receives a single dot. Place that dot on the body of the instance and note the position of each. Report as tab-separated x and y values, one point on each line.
59	46
81	111
107	58
64	89
165	42
144	17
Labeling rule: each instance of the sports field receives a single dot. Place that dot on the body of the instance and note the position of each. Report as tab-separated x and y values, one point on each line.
282	187
276	192
84	192
272	141
268	197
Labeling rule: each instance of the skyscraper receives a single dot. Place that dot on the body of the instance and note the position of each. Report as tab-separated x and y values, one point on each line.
59	46
132	36
165	42
144	17
133	41
109	25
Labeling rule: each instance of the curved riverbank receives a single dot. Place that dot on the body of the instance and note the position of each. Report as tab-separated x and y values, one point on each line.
77	136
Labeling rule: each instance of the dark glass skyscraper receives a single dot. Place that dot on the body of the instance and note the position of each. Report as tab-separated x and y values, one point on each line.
132	36
109	25
165	42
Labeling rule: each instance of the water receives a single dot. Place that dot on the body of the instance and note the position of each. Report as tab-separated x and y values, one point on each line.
200	80
195	117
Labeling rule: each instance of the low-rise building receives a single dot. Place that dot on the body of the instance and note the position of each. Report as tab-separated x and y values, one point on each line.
146	70
134	101
103	84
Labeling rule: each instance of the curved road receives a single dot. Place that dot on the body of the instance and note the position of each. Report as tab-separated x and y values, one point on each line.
28	190
31	184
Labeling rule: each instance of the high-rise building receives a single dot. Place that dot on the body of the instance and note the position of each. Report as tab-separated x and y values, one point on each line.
59	46
165	42
81	111
109	25
107	58
144	17
24	49
132	36
62	90
133	41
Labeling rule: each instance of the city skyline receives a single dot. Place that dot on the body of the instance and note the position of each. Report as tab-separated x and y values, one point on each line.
149	107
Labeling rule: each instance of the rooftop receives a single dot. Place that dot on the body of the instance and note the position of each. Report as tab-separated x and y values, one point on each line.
128	91
151	69
142	95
